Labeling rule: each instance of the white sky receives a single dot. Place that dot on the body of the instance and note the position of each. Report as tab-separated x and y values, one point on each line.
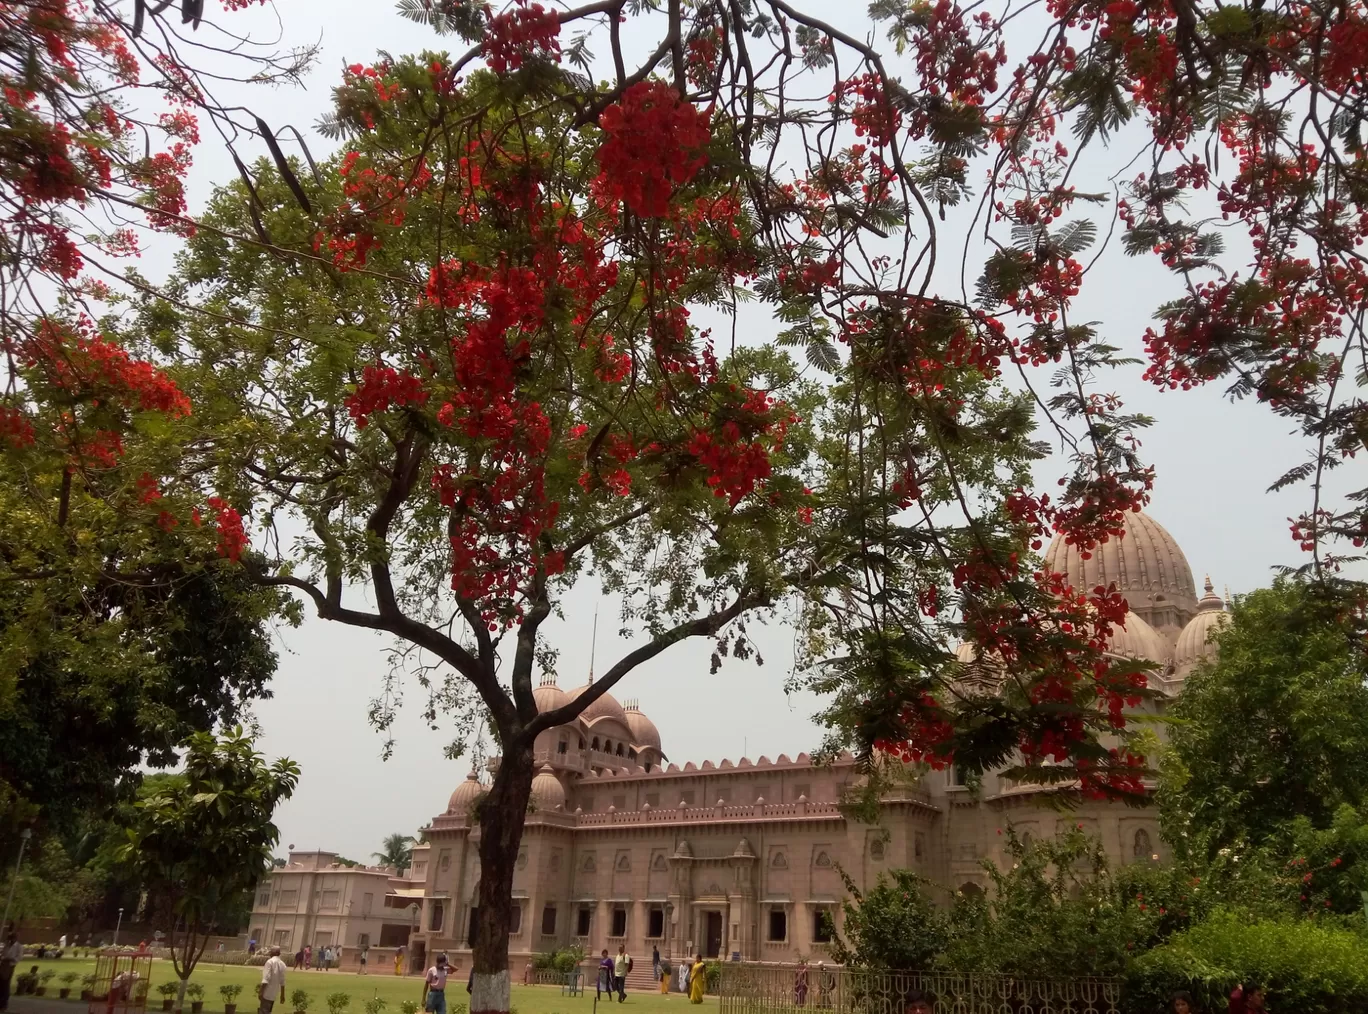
1214	461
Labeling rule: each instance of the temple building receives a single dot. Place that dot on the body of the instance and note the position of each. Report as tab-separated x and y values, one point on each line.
742	859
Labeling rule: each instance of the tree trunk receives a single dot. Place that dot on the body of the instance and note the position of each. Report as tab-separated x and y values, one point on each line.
501	816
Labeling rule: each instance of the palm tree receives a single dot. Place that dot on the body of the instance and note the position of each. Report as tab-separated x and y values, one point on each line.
396	851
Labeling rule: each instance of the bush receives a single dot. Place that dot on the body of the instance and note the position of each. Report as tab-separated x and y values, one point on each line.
46	975
88	981
566	960
1304	966
338	1002
166	989
69	978
230	992
376	1005
194	990
300	1000
408	1007
892	925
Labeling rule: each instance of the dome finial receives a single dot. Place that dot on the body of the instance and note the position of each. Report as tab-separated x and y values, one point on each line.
1209	587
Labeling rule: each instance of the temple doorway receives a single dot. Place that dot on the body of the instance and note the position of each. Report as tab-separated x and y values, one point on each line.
712	946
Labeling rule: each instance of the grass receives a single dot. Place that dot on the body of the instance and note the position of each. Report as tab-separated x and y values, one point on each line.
393	989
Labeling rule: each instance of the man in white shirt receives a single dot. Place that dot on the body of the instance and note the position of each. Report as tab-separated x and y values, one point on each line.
12	954
272	985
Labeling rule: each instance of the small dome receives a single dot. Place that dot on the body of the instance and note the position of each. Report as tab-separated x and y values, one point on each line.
547	791
1194	643
1139	640
644	732
466	793
549	697
1147	566
606	706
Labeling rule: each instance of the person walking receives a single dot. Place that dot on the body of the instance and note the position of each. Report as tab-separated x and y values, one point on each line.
398	961
800	983
10	957
308	956
434	987
272	985
681	983
655	961
604	984
663	971
622	965
365	955
698	980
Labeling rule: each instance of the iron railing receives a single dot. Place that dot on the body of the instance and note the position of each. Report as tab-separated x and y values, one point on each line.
769	989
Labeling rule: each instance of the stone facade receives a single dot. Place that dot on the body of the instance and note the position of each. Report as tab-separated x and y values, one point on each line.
741	859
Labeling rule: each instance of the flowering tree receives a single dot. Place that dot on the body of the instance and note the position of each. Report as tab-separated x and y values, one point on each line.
497	346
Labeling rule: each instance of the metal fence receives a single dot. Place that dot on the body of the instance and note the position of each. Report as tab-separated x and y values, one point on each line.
762	989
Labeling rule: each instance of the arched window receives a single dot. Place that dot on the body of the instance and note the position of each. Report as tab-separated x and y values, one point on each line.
971	890
619	750
1142	848
595	743
631	755
1026	839
581	742
607	746
562	747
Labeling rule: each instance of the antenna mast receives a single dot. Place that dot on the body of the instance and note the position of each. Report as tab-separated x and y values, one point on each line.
593	645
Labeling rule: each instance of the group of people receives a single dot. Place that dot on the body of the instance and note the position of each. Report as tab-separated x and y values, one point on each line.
325	958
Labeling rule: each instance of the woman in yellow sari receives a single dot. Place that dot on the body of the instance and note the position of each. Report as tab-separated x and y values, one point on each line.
698	980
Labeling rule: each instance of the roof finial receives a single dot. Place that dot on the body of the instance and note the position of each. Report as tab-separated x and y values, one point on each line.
1209	587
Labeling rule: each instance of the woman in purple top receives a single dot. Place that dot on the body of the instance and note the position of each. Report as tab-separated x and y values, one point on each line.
605	976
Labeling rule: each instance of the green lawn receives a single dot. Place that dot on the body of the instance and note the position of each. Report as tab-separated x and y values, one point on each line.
391	988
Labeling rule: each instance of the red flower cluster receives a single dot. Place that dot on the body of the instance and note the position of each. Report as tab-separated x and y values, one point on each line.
232	537
521	34
655	143
382	386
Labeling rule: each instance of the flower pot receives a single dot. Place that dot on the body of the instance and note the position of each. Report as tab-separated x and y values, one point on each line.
166	1004
64	992
230	1008
87	995
40	991
196	1006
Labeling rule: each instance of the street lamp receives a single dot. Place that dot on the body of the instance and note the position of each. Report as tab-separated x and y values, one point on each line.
413	932
24	837
118	925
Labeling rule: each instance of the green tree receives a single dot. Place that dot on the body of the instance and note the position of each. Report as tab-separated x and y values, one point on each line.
892	925
203	838
396	850
1276	726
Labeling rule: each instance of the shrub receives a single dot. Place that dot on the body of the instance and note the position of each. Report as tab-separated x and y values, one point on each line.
230	992
892	925
1308	967
88	981
376	1005
408	1007
69	978
338	1002
166	989
194	990
566	960
300	1000
46	975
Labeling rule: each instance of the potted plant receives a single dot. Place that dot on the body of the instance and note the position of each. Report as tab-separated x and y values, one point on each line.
196	994
44	977
67	979
338	1002
230	993
88	987
168	993
408	1007
300	1000
376	1005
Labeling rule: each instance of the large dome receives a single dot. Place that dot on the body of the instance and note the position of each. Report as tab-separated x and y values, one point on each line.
1194	642
466	793
606	706
644	732
1146	566
1139	640
549	697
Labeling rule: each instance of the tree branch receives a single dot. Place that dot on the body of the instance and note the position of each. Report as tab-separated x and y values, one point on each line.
701	627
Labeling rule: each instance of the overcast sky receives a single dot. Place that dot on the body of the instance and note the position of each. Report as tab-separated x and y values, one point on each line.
1214	461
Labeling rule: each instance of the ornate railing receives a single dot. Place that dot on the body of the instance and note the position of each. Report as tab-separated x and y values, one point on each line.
761	989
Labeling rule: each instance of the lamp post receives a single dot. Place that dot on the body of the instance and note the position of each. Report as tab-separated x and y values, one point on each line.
414	908
119	925
24	837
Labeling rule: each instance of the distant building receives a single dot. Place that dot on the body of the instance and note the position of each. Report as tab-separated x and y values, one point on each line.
313	899
744	858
